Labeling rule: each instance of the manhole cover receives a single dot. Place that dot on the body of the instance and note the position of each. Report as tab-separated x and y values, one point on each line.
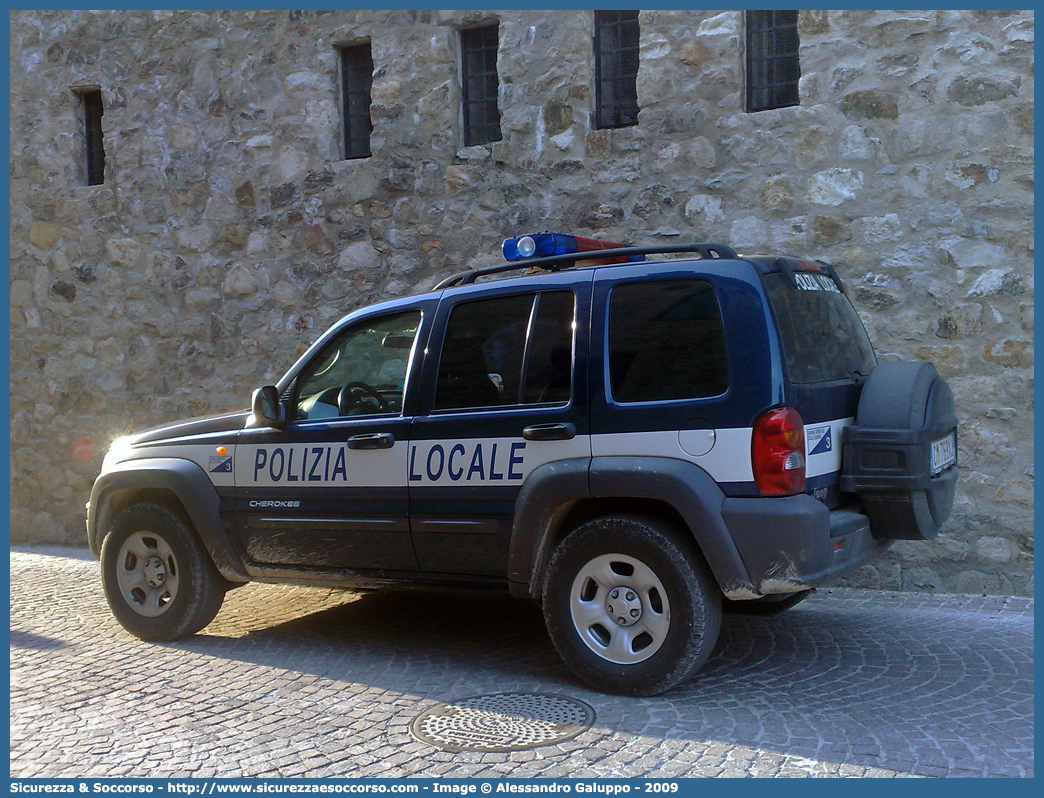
502	722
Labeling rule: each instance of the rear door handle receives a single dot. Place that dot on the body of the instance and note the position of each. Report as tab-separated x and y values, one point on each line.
372	440
549	432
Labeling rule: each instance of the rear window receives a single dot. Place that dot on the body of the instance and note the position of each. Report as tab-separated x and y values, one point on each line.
666	341
822	336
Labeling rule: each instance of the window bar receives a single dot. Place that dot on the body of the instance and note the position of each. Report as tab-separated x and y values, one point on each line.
480	85
616	65
773	66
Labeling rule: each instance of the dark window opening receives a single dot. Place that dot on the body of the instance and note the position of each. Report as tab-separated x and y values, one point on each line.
616	68
666	341
480	85
356	80
508	351
773	68
93	109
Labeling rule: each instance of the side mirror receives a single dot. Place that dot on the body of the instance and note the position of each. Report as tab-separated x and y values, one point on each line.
267	409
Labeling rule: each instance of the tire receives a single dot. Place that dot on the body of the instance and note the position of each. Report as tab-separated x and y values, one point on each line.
159	582
767	605
647	573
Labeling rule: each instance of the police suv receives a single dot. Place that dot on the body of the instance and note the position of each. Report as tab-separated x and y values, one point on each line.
638	437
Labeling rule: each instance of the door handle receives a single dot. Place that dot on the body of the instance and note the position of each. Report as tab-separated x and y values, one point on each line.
549	432
372	440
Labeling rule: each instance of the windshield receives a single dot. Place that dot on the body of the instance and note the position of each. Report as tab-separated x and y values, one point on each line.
822	336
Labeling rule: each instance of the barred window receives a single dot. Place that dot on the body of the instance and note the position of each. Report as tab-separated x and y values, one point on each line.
616	68
94	149
772	60
356	80
479	85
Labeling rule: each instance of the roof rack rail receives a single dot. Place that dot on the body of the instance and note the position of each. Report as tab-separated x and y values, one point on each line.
556	263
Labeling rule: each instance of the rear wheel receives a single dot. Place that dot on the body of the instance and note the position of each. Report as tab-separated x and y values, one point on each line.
159	582
630	605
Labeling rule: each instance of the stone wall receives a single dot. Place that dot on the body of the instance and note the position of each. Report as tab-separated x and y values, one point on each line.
228	233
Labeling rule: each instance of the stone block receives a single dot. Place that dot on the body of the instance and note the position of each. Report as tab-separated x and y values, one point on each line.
870	104
828	230
232	237
922	579
702	153
881	229
199	238
1009	352
599	215
974	254
704	209
66	291
749	232
996	281
244	194
44	235
284	195
961	322
813	23
459	178
949	359
995	549
695	54
975	90
834	186
240	281
21	294
359	256
777	194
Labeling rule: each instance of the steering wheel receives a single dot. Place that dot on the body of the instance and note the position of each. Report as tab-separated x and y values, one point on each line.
354	394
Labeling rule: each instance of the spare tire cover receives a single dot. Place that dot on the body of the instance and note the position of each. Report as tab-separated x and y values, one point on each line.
904	409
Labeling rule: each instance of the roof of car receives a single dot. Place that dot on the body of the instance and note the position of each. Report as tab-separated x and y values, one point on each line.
621	256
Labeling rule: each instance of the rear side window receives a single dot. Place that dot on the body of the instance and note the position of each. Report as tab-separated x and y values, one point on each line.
507	351
666	341
822	336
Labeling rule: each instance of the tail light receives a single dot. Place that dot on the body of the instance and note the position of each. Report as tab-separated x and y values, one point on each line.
778	452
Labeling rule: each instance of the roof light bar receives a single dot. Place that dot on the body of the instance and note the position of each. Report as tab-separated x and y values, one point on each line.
543	245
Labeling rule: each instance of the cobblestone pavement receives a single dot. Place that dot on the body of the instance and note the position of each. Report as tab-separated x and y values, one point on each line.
309	682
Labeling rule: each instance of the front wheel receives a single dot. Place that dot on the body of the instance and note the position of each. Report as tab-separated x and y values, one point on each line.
159	582
630	605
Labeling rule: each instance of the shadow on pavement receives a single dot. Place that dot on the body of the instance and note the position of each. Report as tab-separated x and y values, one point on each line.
35	642
873	685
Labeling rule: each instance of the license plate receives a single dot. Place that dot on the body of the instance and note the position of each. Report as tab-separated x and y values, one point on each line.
944	453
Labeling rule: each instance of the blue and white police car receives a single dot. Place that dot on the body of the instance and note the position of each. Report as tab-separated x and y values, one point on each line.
637	437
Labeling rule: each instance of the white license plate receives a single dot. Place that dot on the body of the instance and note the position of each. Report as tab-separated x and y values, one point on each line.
944	453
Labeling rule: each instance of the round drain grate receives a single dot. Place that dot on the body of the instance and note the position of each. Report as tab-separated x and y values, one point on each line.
502	722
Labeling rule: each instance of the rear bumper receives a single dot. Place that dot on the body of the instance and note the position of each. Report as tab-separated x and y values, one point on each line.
794	543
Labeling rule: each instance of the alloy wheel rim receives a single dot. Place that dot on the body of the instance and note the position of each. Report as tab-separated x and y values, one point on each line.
620	609
147	573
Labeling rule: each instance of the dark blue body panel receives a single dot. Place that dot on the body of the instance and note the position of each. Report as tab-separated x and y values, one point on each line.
443	519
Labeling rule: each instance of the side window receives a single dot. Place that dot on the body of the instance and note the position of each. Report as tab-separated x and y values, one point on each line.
666	341
361	372
507	351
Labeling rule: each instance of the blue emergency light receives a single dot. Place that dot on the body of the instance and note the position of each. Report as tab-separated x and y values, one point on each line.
543	245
